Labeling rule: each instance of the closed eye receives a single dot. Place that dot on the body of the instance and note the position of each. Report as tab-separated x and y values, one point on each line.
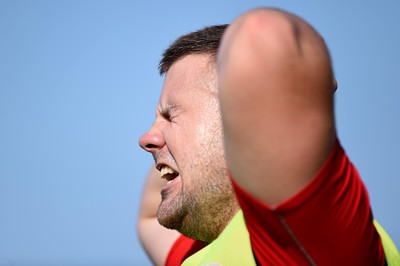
166	112
166	115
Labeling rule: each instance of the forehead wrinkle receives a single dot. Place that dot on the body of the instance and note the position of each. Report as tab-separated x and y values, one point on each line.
167	106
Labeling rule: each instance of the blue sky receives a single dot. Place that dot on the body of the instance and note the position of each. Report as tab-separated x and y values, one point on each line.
79	85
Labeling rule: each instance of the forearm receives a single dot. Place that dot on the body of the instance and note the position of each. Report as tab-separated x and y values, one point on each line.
155	239
151	197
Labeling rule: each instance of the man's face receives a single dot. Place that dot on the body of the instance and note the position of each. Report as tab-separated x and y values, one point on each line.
187	145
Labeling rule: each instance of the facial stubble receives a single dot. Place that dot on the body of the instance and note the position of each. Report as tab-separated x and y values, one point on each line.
206	201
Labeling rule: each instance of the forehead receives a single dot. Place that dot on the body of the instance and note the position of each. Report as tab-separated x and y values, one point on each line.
189	76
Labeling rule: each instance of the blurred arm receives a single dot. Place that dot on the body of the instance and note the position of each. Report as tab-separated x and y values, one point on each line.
156	239
276	94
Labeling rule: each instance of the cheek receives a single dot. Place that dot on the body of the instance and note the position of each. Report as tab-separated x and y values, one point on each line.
202	130
181	142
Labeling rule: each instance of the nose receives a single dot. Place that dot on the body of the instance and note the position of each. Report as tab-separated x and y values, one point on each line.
152	140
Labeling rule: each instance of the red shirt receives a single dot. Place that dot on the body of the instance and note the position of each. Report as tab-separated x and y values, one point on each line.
329	222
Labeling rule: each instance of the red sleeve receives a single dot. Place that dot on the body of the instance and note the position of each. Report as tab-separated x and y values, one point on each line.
183	248
329	222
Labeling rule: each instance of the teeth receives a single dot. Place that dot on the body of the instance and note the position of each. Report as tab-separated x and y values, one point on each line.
166	170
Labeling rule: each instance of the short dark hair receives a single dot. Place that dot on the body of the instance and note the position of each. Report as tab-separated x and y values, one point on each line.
204	41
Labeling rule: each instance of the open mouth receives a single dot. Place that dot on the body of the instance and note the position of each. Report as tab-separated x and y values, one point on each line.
168	173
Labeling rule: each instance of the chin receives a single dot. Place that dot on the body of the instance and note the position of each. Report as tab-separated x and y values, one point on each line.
171	219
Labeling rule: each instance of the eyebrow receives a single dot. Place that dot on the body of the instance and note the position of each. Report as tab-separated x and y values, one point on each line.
165	111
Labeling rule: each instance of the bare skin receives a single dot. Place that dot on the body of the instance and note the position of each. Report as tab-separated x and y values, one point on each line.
278	128
276	102
186	138
156	239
